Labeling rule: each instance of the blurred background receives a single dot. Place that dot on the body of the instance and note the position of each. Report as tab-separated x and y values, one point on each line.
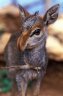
53	81
34	5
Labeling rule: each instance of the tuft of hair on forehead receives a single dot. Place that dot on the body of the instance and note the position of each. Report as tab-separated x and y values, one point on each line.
36	13
31	20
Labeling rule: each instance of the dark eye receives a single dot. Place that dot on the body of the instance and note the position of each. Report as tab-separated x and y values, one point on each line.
36	32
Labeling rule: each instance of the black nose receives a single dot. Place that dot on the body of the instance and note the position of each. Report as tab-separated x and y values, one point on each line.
1	32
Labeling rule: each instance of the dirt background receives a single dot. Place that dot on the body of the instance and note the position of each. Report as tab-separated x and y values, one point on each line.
52	84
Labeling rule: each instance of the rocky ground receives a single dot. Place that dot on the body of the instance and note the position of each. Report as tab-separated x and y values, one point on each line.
53	81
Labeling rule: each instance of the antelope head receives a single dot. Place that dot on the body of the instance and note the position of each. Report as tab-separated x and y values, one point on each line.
35	27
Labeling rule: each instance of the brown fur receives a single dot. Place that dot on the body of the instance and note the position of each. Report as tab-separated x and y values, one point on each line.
9	22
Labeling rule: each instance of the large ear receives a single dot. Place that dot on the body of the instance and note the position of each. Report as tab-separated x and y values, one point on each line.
51	15
23	12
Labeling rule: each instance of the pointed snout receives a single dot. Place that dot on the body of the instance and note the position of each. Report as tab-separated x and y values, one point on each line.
22	40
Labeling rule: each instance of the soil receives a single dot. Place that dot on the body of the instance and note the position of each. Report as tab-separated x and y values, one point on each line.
52	84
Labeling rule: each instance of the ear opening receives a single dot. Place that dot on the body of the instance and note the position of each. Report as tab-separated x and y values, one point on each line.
51	15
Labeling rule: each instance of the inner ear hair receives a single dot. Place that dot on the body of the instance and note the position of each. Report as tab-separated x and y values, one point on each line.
51	15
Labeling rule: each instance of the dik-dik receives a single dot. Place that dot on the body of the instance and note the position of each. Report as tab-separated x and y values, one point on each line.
27	47
10	22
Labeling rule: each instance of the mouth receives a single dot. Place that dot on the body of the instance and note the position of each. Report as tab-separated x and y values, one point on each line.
32	46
